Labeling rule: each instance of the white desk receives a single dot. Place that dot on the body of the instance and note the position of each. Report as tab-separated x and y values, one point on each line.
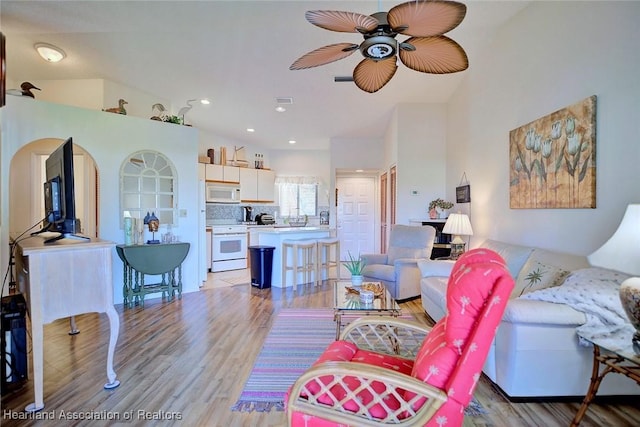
61	280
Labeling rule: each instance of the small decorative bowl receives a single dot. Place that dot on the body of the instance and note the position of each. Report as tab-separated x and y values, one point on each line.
366	297
376	287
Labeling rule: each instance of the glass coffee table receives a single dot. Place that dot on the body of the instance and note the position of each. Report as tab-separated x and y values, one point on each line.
345	302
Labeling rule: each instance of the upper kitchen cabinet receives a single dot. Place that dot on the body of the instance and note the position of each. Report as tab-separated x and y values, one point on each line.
222	173
257	185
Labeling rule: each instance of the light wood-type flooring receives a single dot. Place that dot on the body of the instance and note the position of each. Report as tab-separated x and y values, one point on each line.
189	359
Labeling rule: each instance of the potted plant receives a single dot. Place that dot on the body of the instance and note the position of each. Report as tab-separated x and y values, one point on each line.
437	206
355	267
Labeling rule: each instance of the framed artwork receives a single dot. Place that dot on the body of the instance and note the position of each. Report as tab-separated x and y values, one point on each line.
463	194
552	160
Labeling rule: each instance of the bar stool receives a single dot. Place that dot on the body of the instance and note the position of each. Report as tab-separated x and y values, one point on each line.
328	257
303	257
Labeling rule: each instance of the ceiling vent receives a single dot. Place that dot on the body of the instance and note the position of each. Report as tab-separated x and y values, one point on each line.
284	100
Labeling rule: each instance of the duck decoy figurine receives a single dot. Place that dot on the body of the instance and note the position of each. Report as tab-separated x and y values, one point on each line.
25	90
160	111
119	109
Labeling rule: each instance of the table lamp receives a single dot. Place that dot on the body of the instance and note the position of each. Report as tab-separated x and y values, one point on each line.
457	225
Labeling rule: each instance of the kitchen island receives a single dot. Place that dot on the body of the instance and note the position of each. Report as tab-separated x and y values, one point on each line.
275	236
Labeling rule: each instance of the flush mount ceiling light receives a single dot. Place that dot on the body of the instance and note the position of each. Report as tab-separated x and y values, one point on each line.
49	52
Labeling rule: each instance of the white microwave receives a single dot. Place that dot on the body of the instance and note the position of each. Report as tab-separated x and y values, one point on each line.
219	192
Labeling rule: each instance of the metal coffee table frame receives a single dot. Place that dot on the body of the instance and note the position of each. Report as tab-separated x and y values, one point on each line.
349	303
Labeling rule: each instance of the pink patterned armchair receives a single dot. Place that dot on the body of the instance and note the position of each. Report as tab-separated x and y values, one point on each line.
387	371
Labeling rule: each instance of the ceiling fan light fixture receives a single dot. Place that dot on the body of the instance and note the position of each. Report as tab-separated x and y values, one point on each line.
379	47
49	52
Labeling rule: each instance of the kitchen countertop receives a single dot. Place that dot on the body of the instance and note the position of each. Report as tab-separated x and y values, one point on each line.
286	230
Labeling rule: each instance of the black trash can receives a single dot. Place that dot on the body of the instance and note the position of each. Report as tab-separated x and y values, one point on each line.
261	265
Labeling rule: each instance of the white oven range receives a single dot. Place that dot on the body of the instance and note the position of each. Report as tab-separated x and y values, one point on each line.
228	246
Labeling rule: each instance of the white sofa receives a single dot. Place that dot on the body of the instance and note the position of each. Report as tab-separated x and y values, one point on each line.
536	352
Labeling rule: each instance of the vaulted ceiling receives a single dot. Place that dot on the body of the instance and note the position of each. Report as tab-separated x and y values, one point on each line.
237	54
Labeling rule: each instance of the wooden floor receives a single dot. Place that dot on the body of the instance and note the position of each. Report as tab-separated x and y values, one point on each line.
186	361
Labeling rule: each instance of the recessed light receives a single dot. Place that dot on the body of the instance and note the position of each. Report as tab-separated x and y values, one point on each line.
251	130
205	102
291	141
280	109
359	170
49	52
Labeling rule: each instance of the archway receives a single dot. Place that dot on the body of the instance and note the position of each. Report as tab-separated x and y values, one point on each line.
26	178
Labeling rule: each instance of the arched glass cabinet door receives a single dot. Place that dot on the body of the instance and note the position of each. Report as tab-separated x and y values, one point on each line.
148	183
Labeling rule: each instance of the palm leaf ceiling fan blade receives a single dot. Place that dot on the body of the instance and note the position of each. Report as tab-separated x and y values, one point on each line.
324	55
344	22
426	18
435	55
371	76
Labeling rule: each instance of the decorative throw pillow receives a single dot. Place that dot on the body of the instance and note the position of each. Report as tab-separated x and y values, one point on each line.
536	275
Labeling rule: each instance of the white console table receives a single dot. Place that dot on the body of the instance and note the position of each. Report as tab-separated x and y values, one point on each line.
64	279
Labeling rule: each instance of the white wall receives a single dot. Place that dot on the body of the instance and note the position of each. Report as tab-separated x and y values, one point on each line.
96	94
550	55
421	153
109	139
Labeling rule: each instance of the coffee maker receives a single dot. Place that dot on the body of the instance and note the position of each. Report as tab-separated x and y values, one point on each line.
247	213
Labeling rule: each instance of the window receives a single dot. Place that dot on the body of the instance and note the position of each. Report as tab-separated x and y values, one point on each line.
297	198
147	184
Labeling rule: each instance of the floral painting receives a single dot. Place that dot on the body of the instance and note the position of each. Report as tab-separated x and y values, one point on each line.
552	160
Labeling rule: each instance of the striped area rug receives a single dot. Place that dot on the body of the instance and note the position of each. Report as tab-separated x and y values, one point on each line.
296	340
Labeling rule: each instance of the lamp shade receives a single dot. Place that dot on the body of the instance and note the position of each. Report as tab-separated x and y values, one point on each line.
622	251
458	225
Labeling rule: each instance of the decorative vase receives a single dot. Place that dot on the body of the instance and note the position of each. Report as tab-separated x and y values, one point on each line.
630	299
356	280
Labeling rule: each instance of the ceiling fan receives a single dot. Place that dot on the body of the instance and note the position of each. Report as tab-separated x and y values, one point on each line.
426	50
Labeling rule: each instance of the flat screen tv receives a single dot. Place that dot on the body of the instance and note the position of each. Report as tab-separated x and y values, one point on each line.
59	195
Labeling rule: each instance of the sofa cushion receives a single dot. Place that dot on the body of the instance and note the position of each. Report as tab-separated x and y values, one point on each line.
536	275
523	311
514	255
435	288
349	352
437	268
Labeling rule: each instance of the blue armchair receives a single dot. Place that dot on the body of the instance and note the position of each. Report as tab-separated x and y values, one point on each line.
398	268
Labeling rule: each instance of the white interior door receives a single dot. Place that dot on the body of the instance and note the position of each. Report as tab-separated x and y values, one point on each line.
356	215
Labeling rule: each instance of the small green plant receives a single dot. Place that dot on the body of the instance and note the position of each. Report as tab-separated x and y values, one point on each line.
355	265
439	203
172	119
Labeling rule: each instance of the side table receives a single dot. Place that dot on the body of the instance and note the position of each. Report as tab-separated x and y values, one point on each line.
164	259
616	357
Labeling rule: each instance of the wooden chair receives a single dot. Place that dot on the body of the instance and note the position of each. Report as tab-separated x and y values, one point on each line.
387	371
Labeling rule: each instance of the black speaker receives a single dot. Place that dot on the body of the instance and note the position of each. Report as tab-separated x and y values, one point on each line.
13	365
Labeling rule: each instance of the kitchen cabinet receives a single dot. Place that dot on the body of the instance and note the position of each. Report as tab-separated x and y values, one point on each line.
222	173
257	185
